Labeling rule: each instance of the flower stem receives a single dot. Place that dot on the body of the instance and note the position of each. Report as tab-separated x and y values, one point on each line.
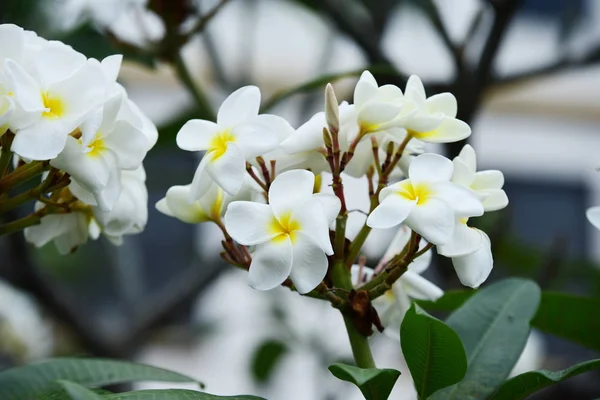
5	153
30	220
22	175
186	78
360	345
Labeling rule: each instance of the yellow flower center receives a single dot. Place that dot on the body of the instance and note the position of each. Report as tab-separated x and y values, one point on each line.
96	146
55	106
284	227
218	144
419	192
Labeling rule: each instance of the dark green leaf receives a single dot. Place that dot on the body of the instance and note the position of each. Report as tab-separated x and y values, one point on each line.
265	359
61	394
493	325
24	383
433	352
78	392
525	384
375	384
570	317
174	394
450	301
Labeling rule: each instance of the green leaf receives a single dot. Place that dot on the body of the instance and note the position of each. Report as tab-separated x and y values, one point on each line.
493	325
174	394
27	382
574	318
61	394
78	392
374	383
525	384
265	359
450	301
433	352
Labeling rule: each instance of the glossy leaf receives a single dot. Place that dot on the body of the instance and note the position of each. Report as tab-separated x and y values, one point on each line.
433	352
493	326
374	383
27	382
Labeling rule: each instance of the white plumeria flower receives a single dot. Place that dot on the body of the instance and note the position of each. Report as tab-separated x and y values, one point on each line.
94	161
427	201
435	118
291	233
239	135
593	215
474	268
67	231
63	89
207	208
487	183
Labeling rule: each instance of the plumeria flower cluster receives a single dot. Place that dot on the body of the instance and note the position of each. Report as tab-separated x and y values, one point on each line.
65	117
279	197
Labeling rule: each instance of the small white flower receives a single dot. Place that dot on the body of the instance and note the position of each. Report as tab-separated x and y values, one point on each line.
427	202
291	233
487	183
207	208
239	135
474	268
435	118
593	215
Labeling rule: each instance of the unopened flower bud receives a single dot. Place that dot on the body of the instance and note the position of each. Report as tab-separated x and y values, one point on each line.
332	113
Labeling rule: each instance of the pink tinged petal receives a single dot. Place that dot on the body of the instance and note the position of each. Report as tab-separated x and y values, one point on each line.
444	103
465	202
179	207
462	174
374	114
365	90
473	269
196	135
495	199
415	91
241	106
593	215
450	130
202	180
430	167
309	265
42	141
271	264
128	143
290	190
250	223
490	179
419	288
434	220
308	136
229	169
313	222
468	156
255	138
392	211
331	205
27	90
465	240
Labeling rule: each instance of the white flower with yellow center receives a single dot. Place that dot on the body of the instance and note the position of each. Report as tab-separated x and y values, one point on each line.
486	183
62	89
427	201
207	208
239	135
435	118
291	233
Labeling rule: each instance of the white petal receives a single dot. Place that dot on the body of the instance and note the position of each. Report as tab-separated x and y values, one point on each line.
421	263
495	199
376	113
308	136
468	156
26	89
420	123
392	211
280	126
593	215
56	62
202	180
241	106
367	275
255	138
490	179
465	240
229	169
77	102
430	167
248	222
196	135
434	220
398	242
180	208
291	189
111	66
331	205
271	264
314	223
415	91
462	175
444	103
465	202
473	269
309	265
128	143
107	196
450	130
82	194
163	208
365	90
42	141
420	288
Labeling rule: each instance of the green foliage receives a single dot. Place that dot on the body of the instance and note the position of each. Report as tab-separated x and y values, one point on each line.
528	383
433	352
374	383
265	359
78	392
493	326
31	381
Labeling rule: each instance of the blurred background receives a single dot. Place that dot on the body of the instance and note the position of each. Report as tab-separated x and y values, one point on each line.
526	75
